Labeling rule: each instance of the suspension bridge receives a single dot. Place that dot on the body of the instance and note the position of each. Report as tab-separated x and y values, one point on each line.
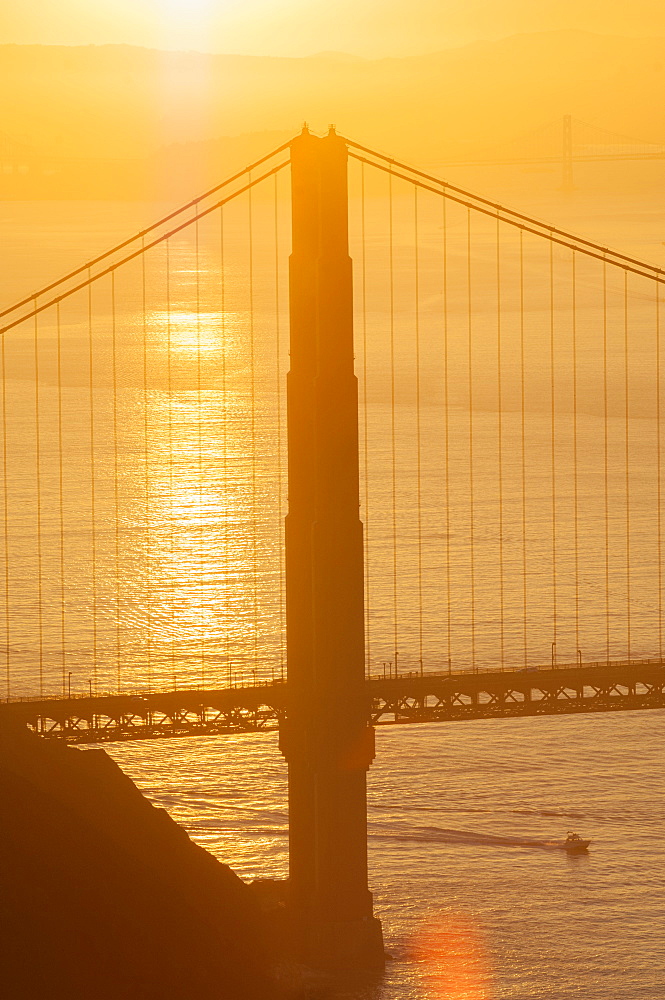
392	700
239	495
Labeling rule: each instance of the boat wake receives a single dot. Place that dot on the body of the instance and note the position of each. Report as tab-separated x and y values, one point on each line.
462	838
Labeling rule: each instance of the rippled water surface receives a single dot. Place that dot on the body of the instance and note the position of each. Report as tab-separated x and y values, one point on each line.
476	902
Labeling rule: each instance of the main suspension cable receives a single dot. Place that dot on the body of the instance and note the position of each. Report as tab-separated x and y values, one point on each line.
144	232
513	218
137	253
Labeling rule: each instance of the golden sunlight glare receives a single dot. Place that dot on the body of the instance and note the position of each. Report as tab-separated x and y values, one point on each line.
188	7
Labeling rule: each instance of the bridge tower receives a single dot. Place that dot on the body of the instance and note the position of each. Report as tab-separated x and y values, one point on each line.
326	739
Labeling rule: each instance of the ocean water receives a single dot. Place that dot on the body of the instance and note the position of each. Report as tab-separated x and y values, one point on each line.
476	901
172	488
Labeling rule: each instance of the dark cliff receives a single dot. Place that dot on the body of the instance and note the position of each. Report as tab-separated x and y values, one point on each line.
103	896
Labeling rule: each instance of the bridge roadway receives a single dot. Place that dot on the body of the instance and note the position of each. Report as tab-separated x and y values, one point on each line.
405	699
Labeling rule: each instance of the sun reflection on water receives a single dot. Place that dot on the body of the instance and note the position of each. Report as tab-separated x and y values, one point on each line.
454	954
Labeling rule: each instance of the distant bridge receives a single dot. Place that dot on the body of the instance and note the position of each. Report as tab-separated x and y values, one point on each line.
566	141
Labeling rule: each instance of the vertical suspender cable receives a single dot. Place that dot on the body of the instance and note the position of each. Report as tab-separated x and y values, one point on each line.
575	471
116	484
169	389
61	502
5	512
366	515
93	498
225	432
553	453
499	396
252	350
472	574
523	450
418	433
627	456
606	470
392	412
447	430
40	611
93	536
280	442
659	481
199	404
146	480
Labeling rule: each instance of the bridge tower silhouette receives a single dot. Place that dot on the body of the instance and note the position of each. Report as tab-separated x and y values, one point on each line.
325	737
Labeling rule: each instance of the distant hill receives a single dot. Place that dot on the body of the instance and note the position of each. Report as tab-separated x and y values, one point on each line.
120	103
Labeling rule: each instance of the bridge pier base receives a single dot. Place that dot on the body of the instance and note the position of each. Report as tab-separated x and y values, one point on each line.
343	945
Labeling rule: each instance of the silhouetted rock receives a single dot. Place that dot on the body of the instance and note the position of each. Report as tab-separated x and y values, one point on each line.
103	896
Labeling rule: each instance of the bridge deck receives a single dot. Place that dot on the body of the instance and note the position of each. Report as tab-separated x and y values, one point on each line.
406	699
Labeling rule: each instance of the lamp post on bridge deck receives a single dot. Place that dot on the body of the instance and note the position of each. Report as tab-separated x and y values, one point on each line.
326	738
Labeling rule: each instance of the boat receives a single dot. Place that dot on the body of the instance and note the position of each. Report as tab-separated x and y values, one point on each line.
574	844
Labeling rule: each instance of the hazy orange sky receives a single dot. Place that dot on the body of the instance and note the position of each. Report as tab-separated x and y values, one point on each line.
303	27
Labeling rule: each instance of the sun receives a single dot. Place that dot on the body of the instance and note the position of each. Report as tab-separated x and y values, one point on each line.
188	8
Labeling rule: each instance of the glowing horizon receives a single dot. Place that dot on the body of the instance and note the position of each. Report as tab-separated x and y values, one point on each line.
297	28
